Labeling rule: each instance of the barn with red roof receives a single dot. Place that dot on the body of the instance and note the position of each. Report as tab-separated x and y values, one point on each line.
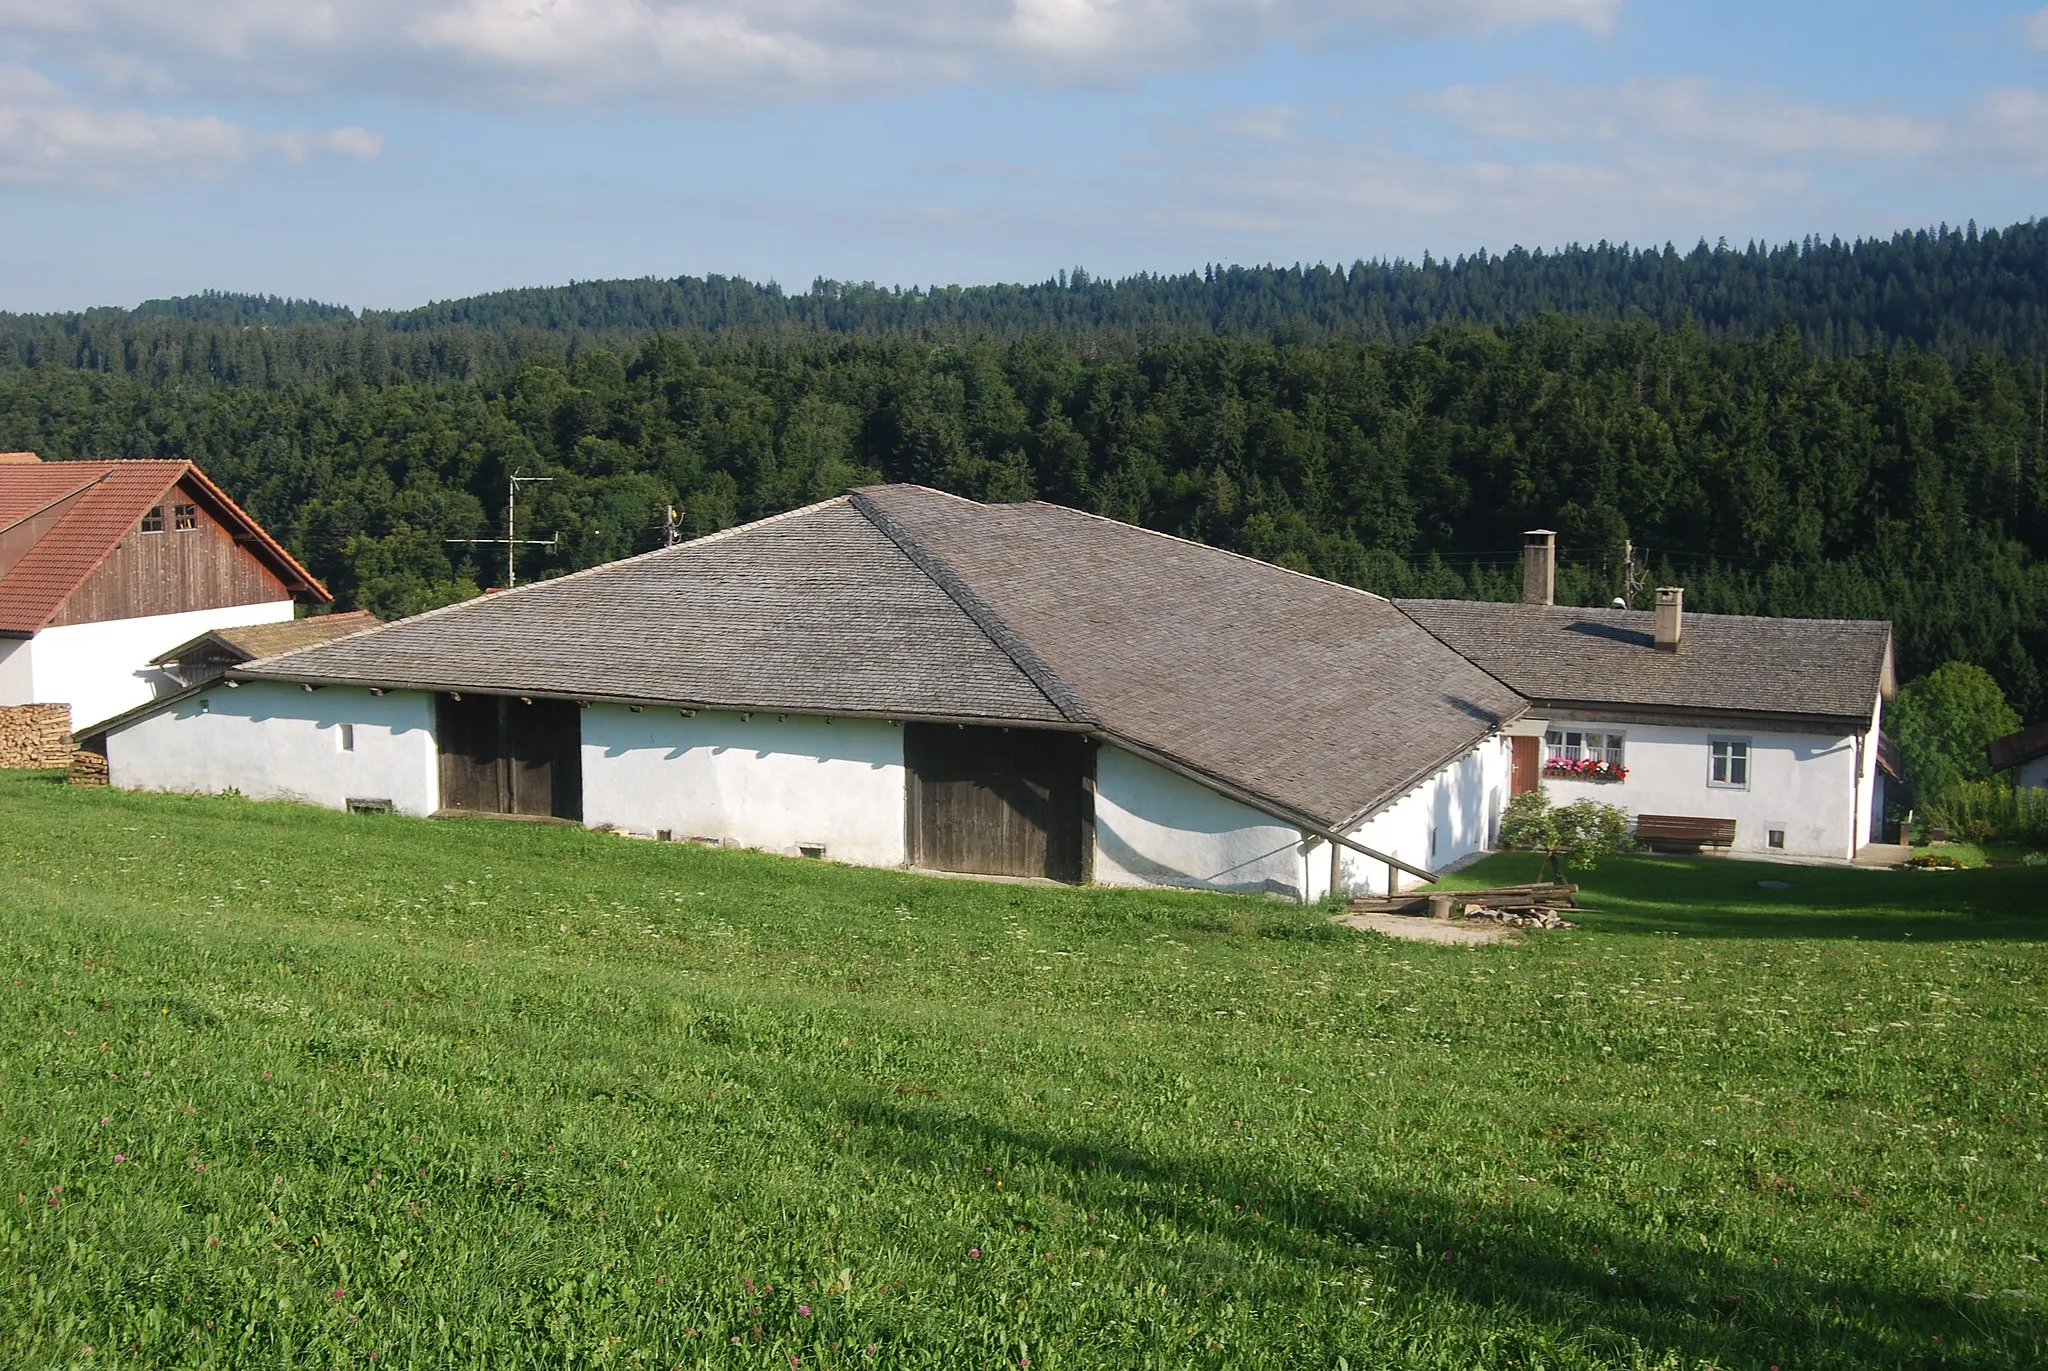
105	565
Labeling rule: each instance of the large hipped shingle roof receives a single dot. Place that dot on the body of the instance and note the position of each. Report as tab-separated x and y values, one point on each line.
1320	701
1725	664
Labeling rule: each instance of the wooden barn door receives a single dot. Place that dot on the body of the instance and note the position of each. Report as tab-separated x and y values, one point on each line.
996	802
506	756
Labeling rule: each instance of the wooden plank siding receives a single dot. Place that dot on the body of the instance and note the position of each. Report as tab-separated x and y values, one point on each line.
998	802
173	571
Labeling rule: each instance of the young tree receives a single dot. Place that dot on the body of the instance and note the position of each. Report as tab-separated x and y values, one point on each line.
1943	722
1578	835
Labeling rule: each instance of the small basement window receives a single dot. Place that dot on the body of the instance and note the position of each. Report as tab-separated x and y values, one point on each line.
184	517
1730	763
153	522
347	733
1775	837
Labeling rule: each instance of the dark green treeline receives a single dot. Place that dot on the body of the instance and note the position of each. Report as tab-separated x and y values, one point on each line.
1759	475
1950	291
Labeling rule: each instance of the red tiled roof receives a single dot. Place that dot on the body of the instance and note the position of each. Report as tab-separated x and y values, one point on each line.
106	500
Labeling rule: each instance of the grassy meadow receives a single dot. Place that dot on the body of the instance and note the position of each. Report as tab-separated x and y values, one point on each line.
288	1088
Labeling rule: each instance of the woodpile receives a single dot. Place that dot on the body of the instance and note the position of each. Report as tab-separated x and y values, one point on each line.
88	768
35	737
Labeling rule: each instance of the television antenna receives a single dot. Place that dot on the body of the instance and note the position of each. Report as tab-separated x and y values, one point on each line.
512	541
1631	579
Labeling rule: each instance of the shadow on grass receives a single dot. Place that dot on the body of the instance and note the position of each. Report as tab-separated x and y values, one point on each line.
1611	1294
1716	897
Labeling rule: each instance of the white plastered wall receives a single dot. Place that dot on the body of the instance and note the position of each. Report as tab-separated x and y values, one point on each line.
1156	827
17	671
1804	783
765	783
1453	813
103	669
273	741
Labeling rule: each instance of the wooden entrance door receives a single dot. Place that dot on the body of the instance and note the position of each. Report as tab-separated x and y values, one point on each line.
501	755
1527	756
996	802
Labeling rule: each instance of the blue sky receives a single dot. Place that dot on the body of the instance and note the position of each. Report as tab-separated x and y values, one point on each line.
388	152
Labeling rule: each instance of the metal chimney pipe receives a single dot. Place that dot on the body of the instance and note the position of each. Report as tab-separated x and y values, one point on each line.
1670	617
1539	567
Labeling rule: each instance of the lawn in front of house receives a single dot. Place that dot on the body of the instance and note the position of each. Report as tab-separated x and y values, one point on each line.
284	1087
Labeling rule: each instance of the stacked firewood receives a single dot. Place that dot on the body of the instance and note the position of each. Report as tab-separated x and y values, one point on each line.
35	737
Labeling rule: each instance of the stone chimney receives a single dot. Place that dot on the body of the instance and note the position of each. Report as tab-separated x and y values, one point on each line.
1539	567
1670	617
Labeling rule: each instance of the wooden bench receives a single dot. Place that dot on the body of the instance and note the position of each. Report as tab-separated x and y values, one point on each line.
1691	834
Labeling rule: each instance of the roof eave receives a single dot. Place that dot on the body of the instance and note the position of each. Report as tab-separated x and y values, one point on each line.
253	672
1852	723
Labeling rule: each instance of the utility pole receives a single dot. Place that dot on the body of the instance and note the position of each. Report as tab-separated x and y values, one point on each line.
512	541
668	536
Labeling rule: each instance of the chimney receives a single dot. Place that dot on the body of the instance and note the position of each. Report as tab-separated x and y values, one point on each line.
1670	617
1539	567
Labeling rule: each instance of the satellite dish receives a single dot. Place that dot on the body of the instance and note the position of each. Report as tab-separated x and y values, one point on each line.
1620	603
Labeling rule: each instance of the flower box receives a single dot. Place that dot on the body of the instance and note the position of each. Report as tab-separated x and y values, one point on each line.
1585	769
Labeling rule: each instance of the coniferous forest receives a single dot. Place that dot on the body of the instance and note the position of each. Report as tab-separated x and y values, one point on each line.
1817	429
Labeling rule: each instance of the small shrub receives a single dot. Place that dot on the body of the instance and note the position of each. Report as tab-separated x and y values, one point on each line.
1578	835
1991	811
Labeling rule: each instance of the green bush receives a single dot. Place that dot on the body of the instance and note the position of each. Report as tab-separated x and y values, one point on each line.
1578	835
1992	811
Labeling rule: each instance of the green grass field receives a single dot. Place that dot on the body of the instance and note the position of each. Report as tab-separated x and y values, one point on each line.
285	1088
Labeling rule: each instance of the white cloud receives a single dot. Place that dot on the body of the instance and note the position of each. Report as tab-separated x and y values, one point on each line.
1688	111
49	138
2035	26
709	51
1544	162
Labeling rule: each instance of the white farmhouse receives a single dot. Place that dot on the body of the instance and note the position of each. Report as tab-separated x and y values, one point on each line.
1706	721
104	566
900	677
897	677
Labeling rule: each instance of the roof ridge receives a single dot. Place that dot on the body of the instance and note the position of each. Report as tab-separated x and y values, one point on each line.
510	591
1012	644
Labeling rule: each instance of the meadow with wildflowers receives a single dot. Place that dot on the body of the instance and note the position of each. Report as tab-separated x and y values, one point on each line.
287	1088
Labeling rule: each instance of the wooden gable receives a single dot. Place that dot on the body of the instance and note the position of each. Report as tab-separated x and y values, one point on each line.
177	557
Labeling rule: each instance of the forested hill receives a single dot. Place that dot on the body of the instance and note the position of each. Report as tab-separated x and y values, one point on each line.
1947	291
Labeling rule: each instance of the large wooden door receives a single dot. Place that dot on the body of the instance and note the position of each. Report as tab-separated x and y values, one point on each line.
501	755
1527	756
996	802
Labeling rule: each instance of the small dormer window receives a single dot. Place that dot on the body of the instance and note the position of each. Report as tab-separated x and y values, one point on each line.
184	517
153	522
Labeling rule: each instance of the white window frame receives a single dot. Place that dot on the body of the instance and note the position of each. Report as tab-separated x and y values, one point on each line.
1559	747
1738	749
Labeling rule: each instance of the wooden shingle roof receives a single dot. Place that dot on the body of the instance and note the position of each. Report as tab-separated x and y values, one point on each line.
65	518
1726	663
247	642
1319	701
